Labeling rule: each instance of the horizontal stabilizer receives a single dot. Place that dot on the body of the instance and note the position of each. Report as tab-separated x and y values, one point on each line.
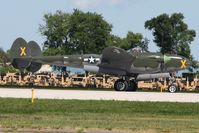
142	77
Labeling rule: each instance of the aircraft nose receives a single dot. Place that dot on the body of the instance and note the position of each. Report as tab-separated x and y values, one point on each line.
185	63
174	62
188	62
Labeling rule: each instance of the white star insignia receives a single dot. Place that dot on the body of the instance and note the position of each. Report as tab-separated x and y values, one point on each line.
91	59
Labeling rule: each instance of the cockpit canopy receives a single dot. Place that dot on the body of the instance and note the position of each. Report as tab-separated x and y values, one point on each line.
136	50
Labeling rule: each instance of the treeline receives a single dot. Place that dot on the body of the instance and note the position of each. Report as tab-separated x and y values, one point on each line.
79	32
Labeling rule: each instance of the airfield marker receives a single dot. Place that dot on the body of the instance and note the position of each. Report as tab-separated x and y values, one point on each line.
33	95
161	88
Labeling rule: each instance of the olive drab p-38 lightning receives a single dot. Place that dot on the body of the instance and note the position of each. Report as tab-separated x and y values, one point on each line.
132	65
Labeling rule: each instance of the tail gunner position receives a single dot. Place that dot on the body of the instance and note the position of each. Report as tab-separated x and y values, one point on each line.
131	66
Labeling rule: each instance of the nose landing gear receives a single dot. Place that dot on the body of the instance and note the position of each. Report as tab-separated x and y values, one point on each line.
173	87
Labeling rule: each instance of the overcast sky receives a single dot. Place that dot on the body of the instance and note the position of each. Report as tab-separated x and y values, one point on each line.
21	18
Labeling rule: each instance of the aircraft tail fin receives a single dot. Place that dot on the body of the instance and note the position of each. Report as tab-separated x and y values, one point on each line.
19	49
22	53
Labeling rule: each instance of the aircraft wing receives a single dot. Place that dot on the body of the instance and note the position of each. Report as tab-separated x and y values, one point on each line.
116	58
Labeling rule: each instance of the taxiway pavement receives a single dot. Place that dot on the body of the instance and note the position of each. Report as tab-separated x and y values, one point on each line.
100	95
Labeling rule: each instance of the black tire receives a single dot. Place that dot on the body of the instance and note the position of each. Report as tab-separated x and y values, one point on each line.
120	85
132	86
173	88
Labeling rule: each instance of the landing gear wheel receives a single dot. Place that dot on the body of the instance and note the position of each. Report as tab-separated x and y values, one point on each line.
132	86
120	85
173	88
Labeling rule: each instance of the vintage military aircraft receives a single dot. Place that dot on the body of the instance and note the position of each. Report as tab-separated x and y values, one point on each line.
132	65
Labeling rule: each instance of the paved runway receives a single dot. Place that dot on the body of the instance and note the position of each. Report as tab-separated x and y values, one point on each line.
100	95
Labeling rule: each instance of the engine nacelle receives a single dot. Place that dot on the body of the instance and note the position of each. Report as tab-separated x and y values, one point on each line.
152	76
91	68
97	69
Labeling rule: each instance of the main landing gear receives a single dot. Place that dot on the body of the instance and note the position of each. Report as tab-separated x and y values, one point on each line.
125	85
173	87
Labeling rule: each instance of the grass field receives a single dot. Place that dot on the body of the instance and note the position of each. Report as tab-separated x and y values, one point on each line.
109	115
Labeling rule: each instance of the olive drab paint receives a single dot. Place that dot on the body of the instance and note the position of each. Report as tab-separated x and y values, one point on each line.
112	60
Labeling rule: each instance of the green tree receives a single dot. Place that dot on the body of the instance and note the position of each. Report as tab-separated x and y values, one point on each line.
171	34
3	57
55	30
137	40
131	40
88	32
74	33
7	69
117	41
